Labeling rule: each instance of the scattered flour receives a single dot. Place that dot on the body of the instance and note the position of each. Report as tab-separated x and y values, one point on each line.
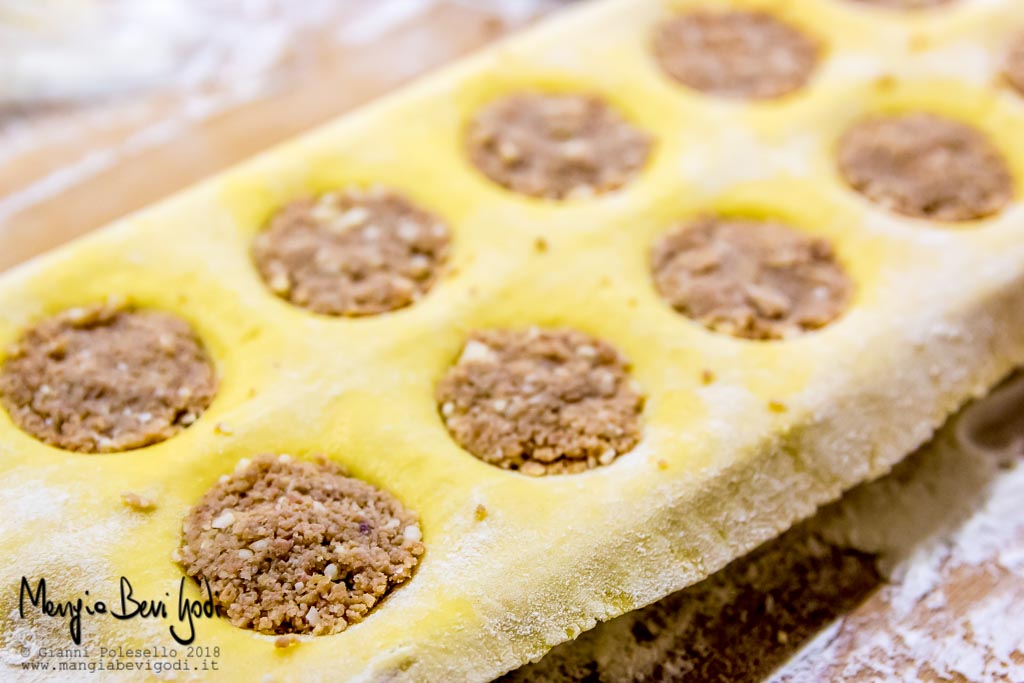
69	555
947	525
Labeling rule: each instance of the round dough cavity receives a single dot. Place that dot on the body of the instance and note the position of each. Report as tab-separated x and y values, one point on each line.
106	378
925	166
740	54
556	146
540	401
750	279
292	546
352	252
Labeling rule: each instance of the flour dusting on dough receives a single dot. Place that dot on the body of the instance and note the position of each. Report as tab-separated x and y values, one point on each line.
965	501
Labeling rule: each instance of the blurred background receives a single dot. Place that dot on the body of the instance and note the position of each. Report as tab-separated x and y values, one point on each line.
108	105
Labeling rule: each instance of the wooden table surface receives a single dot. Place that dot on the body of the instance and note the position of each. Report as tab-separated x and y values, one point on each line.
917	577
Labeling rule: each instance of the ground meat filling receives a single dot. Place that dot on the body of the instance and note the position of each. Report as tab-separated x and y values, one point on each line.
748	55
1015	64
750	279
556	146
292	546
541	401
352	253
925	166
106	378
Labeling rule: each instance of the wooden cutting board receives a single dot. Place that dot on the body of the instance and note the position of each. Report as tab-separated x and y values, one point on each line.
67	168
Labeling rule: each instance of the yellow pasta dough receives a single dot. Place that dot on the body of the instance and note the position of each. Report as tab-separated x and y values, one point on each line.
740	437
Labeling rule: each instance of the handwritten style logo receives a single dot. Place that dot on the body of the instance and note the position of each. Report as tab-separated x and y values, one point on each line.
126	607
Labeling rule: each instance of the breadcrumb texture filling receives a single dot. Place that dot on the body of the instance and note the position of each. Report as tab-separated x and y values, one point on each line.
541	401
747	55
556	146
926	166
107	378
352	253
291	546
751	279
